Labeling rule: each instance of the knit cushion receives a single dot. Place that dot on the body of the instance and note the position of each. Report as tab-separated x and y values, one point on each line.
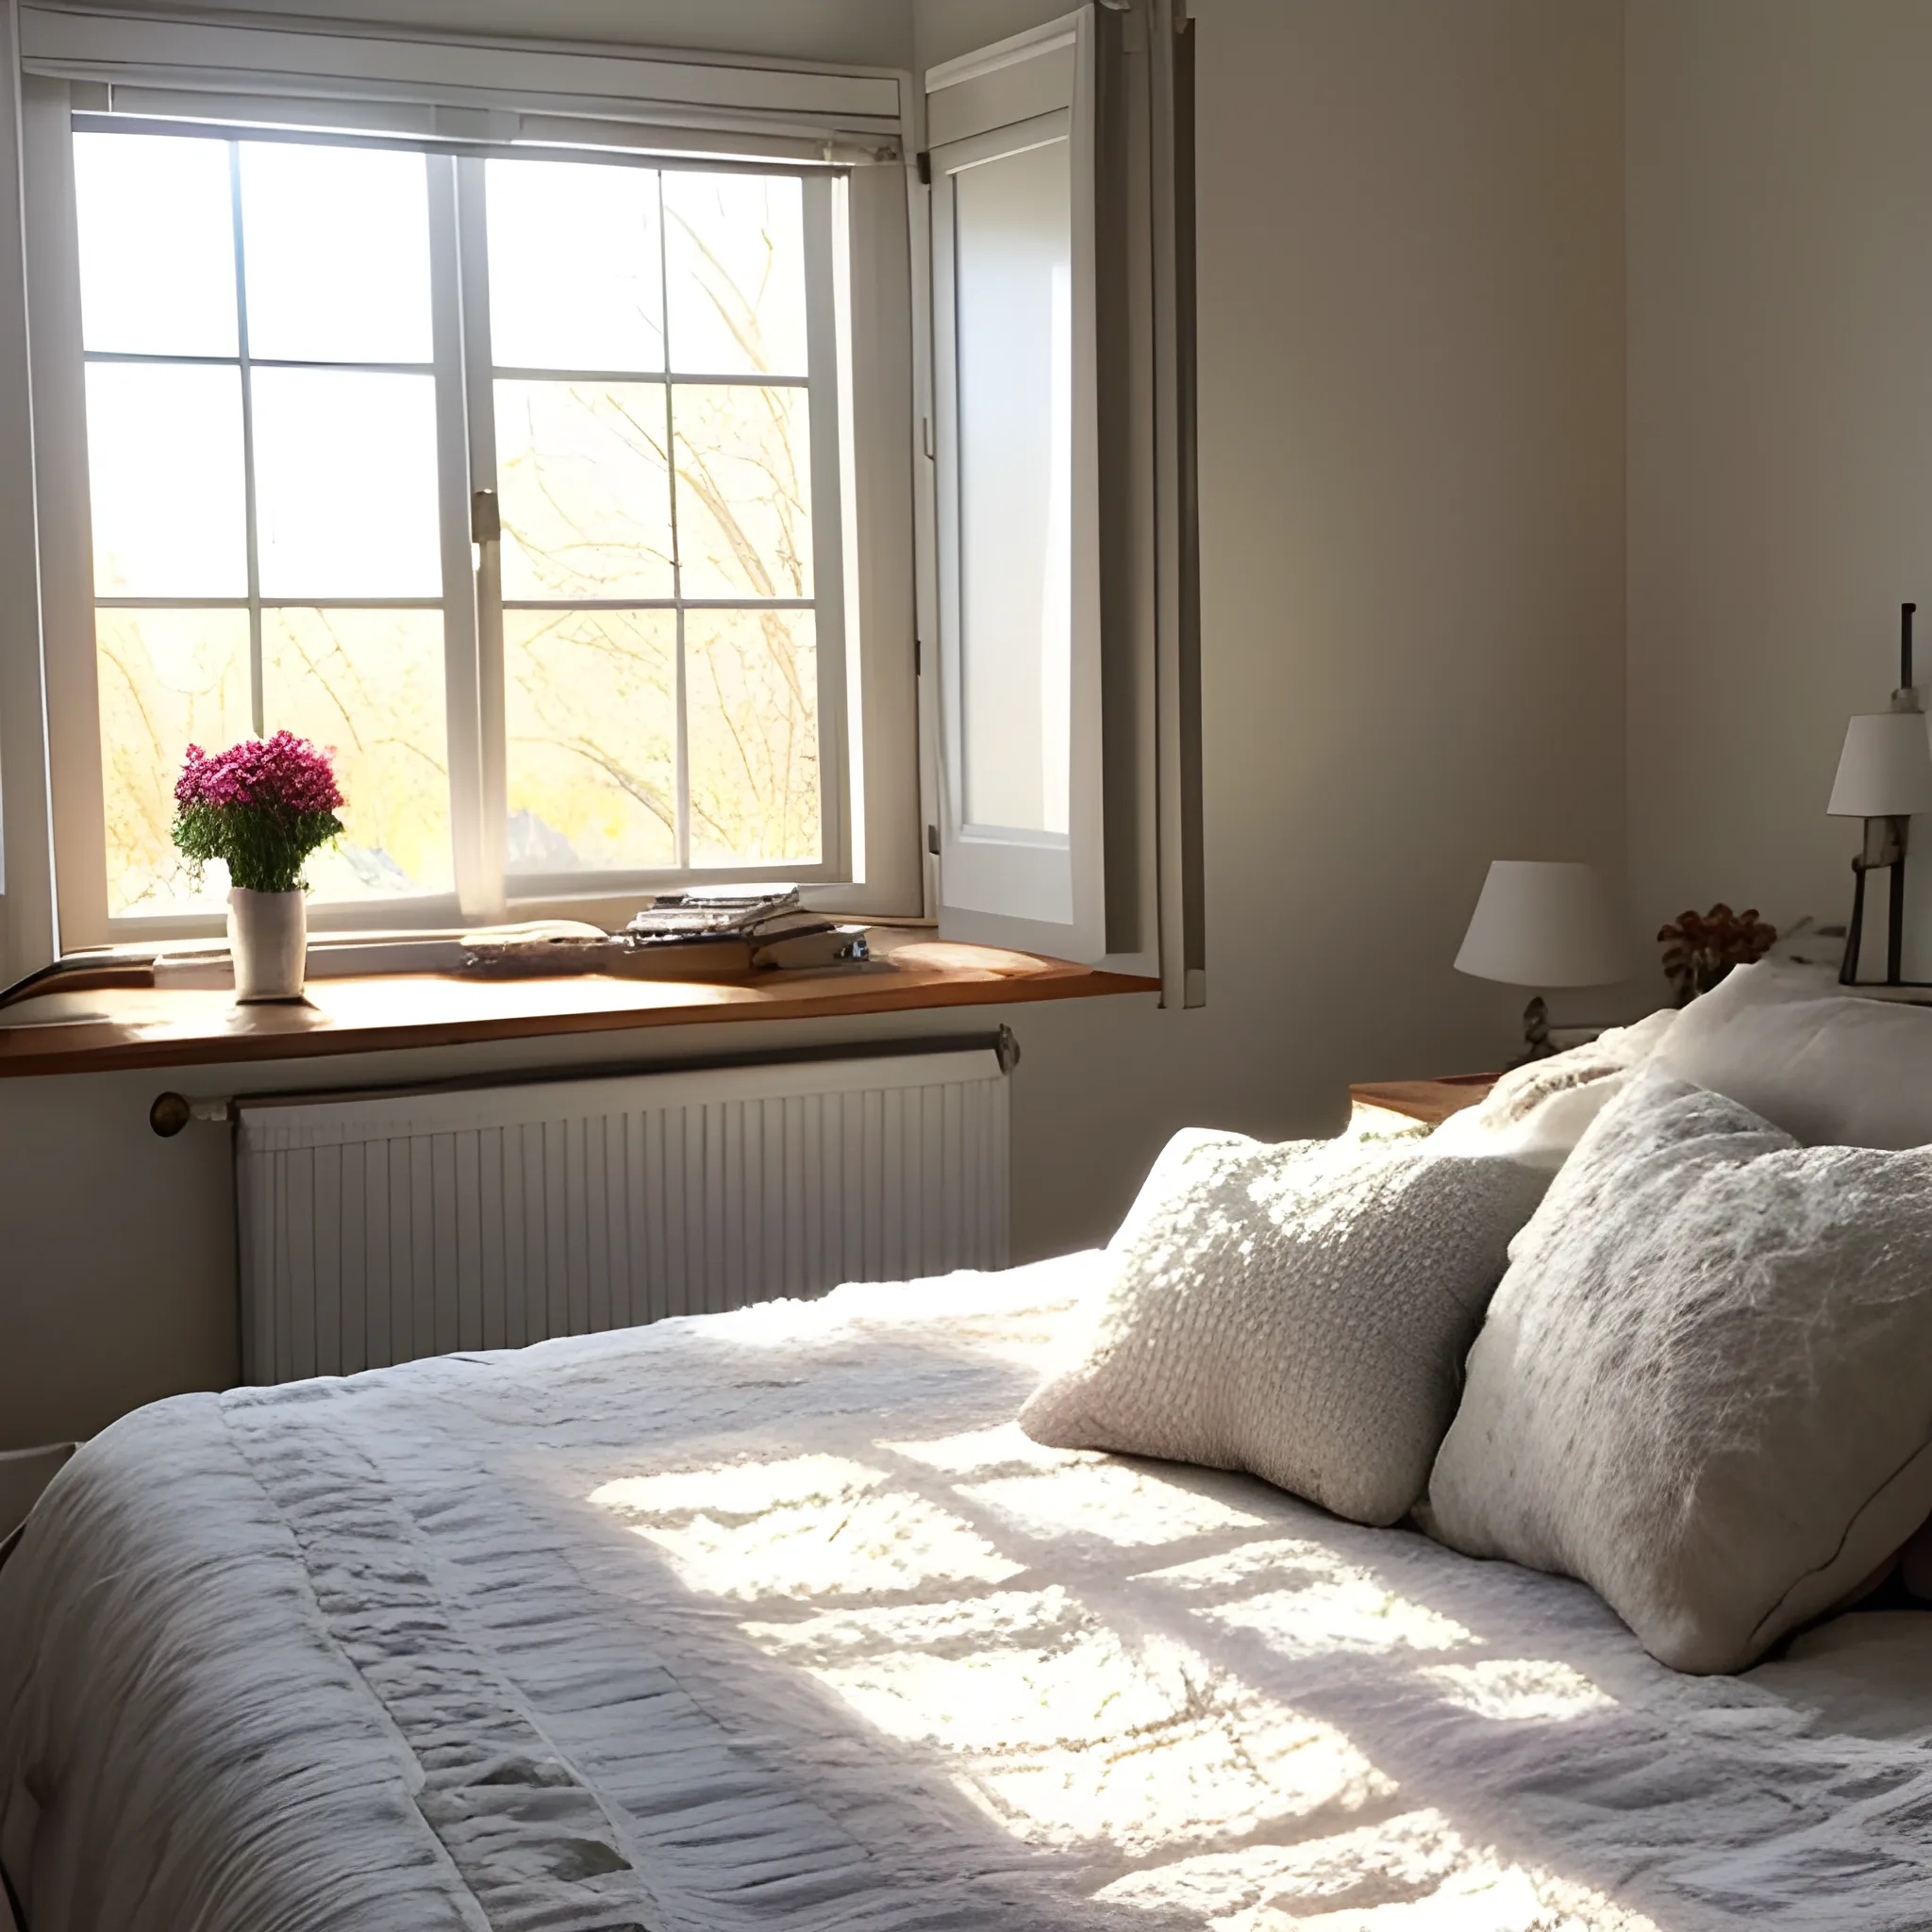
1537	1112
1705	1386
1300	1310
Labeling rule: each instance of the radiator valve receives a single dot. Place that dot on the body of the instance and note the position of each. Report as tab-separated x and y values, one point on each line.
170	1113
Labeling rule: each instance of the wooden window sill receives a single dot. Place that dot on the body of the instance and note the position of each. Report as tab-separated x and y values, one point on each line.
107	1031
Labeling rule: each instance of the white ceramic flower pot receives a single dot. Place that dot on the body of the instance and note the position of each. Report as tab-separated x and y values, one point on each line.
268	939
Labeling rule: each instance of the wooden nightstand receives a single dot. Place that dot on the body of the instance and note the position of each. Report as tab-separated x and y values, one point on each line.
1431	1101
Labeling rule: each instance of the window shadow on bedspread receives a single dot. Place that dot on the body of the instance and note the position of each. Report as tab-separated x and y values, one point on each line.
776	1619
1198	1692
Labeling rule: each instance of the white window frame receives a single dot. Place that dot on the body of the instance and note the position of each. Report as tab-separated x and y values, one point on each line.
1122	888
1039	890
860	317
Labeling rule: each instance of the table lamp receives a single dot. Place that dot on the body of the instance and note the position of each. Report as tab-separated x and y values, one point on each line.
1883	777
1544	922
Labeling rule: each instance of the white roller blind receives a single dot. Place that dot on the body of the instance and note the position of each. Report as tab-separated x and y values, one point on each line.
1020	846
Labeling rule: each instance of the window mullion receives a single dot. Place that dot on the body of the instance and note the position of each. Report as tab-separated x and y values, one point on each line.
826	414
680	688
256	706
482	541
478	891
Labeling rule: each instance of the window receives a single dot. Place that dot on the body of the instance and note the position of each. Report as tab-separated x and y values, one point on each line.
629	462
516	481
262	460
1015	381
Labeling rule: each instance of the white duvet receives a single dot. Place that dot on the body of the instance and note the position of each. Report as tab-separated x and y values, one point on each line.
774	1619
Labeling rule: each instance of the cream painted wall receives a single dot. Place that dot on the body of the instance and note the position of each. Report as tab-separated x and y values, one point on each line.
1780	298
1410	263
1412	527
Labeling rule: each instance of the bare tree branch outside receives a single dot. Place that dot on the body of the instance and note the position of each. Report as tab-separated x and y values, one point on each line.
660	645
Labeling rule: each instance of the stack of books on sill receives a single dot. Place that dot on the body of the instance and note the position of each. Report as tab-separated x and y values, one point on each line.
703	933
700	934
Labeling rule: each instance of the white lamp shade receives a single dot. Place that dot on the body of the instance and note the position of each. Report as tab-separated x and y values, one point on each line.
1546	923
1885	770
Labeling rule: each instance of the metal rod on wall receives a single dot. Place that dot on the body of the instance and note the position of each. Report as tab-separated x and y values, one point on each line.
170	1113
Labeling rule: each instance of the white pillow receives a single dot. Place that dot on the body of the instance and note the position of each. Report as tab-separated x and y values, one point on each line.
1299	1310
1829	1068
1537	1112
1705	1386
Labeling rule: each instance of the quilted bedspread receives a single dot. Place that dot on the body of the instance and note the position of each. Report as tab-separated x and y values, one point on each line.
774	1619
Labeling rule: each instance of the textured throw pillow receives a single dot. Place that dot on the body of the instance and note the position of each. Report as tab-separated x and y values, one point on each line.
1537	1112
1705	1386
1826	1067
1299	1310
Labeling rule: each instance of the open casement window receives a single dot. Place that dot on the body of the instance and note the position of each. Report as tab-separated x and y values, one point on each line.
497	431
1022	838
1067	793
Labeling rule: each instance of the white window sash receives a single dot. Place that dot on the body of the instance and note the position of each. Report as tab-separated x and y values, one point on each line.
868	754
1039	890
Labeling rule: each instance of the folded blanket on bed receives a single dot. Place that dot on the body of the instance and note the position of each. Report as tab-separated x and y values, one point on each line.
774	1620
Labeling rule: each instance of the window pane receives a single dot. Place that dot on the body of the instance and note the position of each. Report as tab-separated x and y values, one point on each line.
743	490
368	684
574	266
734	255
164	467
168	679
157	244
337	244
345	484
751	678
591	704
1013	243
581	482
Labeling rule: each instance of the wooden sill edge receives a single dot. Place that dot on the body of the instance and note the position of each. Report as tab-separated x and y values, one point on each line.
126	1030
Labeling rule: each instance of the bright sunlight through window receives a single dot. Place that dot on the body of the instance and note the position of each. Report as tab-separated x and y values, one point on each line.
302	361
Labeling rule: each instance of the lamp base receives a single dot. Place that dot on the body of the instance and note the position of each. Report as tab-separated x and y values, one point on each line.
1537	1044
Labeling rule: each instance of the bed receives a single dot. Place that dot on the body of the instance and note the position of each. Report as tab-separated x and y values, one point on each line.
774	1619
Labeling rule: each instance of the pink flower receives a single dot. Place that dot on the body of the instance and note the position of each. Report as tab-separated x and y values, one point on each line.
284	772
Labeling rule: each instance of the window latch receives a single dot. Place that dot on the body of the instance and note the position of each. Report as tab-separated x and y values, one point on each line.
486	523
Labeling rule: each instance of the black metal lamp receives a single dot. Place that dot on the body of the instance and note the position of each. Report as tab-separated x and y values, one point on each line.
1883	777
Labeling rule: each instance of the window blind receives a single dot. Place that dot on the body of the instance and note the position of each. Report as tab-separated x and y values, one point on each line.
464	90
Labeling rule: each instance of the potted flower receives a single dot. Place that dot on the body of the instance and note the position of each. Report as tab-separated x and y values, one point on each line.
261	807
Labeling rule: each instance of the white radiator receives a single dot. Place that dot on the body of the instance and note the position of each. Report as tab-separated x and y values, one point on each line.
373	1230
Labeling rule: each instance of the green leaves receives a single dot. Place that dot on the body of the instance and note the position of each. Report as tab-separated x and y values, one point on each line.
264	846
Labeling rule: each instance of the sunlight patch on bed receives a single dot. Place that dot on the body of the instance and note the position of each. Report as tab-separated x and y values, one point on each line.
1028	1341
1063	1732
739	1489
980	1452
1515	1690
1344	1612
803	1527
1318	1605
1272	1562
1127	1507
1401	1857
1413	1873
